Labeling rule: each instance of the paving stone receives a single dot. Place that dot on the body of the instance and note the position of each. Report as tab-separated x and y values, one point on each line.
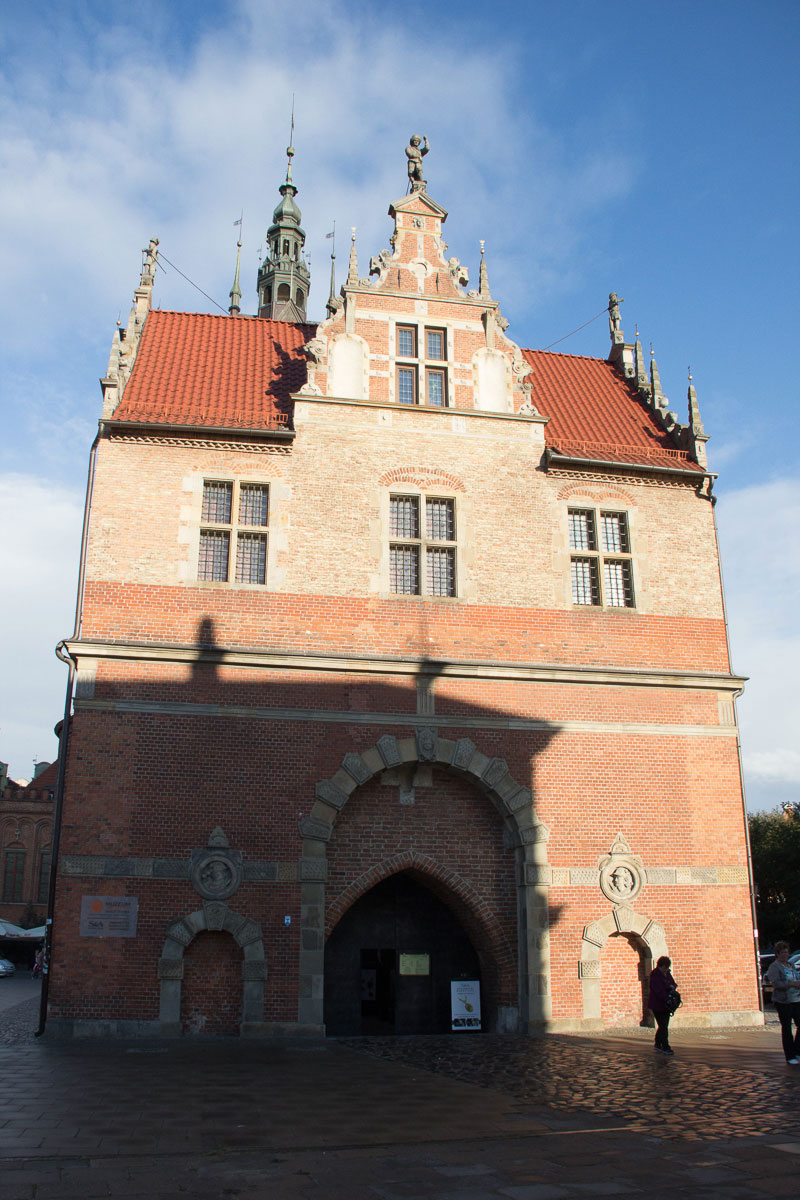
534	1191
437	1119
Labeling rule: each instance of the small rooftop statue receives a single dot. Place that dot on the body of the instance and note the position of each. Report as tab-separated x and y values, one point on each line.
415	153
614	322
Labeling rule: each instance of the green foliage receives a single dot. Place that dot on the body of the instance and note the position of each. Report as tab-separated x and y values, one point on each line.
775	843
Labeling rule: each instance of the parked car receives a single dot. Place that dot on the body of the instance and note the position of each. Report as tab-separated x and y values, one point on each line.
6	967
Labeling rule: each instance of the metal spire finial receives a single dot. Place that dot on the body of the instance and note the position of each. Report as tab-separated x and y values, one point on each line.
290	147
235	293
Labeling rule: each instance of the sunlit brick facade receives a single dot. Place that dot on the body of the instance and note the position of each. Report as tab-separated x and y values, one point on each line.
397	642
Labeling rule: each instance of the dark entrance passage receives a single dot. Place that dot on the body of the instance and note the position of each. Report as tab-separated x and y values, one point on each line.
390	961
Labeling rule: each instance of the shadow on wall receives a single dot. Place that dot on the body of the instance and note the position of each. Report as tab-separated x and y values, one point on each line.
233	784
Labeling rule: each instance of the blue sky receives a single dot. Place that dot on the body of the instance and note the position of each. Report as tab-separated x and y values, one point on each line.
643	147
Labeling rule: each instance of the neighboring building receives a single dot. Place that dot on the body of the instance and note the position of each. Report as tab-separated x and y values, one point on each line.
401	661
26	839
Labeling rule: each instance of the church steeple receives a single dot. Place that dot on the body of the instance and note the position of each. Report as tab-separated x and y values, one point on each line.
284	280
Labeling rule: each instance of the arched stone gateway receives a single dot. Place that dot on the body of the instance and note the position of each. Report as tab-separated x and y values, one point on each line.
523	832
498	970
647	932
214	915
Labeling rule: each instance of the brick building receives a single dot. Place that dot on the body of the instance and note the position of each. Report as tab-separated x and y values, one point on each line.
401	660
26	838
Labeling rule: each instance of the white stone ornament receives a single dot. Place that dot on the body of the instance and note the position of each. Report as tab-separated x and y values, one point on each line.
622	874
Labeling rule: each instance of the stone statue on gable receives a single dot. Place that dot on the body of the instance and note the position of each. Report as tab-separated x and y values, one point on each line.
614	320
415	151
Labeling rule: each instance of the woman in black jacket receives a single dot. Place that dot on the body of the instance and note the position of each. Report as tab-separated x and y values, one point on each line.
662	988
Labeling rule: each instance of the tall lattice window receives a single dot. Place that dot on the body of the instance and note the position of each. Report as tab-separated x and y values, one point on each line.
45	859
420	377
234	516
13	876
422	550
601	569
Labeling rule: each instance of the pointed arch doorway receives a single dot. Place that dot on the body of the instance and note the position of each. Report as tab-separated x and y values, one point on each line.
390	961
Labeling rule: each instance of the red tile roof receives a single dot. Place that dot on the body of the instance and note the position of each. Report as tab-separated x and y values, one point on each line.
197	369
45	780
595	414
239	372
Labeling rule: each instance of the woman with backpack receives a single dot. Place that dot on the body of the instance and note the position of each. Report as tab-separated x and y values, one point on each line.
663	1000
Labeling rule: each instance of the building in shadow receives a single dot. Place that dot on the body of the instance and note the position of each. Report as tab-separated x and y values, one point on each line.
26	834
403	698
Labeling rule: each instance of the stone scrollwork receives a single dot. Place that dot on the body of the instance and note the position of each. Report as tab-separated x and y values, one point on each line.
216	872
458	273
426	744
622	874
315	350
380	262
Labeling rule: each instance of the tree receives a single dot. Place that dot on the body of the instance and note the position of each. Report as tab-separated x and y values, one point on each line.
775	845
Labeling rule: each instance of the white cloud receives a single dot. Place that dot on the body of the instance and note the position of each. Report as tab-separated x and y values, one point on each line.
41	542
142	145
782	765
760	546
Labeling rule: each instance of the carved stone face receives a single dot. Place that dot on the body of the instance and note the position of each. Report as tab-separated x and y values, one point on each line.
215	875
415	139
623	881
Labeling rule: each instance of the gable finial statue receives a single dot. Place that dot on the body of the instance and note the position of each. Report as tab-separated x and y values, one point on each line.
416	149
614	319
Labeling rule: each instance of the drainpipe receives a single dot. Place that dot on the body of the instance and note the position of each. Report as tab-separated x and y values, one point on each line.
63	743
736	695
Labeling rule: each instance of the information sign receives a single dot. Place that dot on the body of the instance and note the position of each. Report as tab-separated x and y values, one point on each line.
109	916
415	964
465	1004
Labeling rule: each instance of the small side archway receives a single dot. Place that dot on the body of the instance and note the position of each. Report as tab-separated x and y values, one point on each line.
649	934
214	915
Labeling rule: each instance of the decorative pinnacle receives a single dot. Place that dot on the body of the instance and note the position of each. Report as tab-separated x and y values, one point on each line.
236	291
642	382
483	277
330	307
659	400
352	273
695	420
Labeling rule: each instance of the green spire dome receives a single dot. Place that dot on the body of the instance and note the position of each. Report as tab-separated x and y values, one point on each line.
284	280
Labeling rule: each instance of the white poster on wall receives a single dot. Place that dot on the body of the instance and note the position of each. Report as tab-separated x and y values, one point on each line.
465	1004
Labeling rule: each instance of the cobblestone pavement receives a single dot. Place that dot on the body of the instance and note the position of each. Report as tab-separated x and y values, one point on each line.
18	1022
455	1118
668	1096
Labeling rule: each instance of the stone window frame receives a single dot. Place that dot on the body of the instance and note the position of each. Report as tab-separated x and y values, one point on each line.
45	867
14	864
235	529
598	557
419	364
422	543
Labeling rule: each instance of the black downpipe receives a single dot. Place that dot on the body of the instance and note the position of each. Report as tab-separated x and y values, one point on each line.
63	746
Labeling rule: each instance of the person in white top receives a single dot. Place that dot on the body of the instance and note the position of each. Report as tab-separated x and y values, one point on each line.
785	980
